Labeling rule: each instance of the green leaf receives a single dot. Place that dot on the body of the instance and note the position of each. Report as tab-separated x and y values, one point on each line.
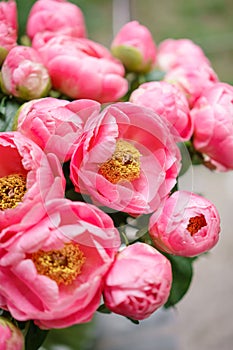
8	109
182	272
34	337
81	336
154	75
186	159
119	218
195	156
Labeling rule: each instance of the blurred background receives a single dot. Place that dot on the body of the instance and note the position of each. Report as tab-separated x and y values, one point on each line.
203	320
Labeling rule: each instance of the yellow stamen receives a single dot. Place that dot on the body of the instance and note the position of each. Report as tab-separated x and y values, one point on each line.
62	266
196	223
12	190
124	164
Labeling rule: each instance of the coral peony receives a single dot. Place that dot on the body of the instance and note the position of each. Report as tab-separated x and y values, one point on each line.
8	27
139	282
27	176
11	338
53	272
213	125
55	124
56	16
192	79
134	47
189	225
175	52
23	74
81	68
166	100
127	159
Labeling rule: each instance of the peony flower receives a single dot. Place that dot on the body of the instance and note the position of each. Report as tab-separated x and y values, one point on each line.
178	52
188	225
24	75
11	337
49	46
55	124
168	101
127	159
192	79
213	125
8	27
53	272
27	176
135	47
81	68
138	283
55	16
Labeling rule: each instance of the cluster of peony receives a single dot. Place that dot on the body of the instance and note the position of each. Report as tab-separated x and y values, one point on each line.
59	257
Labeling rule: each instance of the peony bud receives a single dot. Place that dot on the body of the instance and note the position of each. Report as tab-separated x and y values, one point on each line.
55	17
177	52
192	79
81	68
213	128
139	282
24	75
135	47
168	101
8	27
189	225
11	337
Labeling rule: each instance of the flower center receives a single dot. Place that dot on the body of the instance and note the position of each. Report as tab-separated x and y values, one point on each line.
124	164
196	223
62	266
12	190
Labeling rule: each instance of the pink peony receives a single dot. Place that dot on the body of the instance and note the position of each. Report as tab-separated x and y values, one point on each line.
56	16
81	68
192	79
127	159
213	125
49	46
55	124
189	225
23	74
11	338
8	27
178	52
53	271
27	176
139	282
169	102
135	47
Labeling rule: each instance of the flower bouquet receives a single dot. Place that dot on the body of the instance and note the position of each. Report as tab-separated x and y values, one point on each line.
93	143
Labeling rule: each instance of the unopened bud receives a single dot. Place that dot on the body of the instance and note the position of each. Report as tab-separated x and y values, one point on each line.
11	338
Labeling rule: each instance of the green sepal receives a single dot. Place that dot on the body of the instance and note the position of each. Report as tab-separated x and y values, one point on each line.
103	309
132	320
131	58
